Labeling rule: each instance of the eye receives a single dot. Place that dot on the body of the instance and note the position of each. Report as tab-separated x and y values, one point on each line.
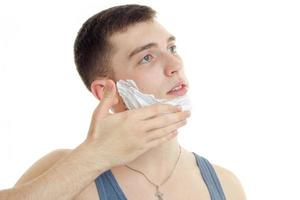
146	59
173	49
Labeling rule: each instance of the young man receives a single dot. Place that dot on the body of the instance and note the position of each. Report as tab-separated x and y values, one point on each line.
128	154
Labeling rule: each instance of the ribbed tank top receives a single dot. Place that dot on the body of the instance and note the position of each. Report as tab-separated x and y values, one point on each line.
109	188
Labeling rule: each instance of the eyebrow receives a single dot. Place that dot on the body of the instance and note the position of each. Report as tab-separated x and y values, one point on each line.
148	46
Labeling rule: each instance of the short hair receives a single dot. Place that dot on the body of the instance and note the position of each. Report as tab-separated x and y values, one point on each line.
92	49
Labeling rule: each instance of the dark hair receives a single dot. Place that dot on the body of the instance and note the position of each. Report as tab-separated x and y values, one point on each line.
92	50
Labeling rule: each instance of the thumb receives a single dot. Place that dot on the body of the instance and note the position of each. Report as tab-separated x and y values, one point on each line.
109	99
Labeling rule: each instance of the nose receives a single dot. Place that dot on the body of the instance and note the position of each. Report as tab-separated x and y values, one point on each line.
172	64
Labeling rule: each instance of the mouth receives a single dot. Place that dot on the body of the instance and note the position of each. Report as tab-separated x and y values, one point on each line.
179	89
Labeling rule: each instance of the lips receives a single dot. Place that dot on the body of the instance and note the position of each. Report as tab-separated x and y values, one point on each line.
179	89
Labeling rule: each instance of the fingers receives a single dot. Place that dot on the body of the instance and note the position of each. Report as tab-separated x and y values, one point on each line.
161	136
162	140
154	110
109	99
165	120
164	132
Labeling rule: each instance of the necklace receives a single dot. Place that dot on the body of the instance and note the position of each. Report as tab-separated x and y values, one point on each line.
158	194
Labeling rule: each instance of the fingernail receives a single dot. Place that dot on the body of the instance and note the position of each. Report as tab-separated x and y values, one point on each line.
107	90
179	108
188	113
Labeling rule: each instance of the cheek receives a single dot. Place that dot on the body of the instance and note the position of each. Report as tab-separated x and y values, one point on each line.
148	82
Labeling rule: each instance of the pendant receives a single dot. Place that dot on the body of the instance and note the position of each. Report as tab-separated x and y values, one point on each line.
158	194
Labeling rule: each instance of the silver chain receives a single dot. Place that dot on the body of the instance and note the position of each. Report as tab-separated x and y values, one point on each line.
158	193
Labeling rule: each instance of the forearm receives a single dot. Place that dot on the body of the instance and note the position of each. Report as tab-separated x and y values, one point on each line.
63	181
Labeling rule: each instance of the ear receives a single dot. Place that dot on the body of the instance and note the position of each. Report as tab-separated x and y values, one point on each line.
97	87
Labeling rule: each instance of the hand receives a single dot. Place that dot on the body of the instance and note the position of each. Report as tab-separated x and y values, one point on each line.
121	137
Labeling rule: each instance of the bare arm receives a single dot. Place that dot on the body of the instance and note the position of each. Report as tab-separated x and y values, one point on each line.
113	139
63	181
42	165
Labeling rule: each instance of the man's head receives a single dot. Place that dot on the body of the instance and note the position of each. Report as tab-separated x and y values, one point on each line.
126	42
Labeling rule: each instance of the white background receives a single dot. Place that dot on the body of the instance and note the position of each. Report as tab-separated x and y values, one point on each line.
242	60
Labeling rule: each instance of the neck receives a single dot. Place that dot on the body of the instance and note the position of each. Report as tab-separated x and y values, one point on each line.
159	161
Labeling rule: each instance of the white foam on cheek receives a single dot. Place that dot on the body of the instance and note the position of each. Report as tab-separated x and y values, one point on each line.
133	98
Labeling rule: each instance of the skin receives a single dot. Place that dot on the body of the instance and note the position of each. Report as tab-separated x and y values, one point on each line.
148	138
161	63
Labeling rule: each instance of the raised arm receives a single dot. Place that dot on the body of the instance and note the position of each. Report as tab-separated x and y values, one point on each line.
113	139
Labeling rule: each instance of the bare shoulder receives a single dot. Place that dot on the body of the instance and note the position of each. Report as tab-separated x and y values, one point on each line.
231	185
42	165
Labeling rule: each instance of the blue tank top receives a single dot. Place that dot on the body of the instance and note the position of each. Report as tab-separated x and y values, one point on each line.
109	188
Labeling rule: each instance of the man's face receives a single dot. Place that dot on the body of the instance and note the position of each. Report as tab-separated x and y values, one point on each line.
146	53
